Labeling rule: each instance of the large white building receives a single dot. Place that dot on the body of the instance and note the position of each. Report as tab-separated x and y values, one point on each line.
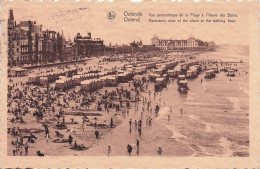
190	44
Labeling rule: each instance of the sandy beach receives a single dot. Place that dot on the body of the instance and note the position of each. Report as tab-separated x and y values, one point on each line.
213	120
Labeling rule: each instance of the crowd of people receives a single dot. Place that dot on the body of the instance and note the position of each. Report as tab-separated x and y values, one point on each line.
48	108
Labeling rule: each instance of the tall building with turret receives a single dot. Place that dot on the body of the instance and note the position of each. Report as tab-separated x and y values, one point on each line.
29	44
11	22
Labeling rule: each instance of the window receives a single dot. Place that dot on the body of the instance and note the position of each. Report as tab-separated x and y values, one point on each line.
17	50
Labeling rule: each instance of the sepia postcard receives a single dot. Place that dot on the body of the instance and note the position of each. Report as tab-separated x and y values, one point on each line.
151	84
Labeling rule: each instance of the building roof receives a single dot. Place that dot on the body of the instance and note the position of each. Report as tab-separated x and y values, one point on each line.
159	79
60	81
181	75
44	78
183	81
18	69
86	82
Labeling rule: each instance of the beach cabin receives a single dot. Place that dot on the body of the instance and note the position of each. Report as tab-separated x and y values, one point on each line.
176	71
129	75
112	81
150	65
170	73
56	76
96	84
62	77
181	77
215	69
163	68
86	85
210	74
62	74
17	72
51	77
128	67
99	83
77	79
183	86
231	73
122	78
71	72
158	65
86	76
69	83
44	81
227	68
33	79
184	66
158	71
166	77
100	74
90	76
130	70
96	75
103	80
191	74
60	84
153	76
198	68
143	69
159	81
138	70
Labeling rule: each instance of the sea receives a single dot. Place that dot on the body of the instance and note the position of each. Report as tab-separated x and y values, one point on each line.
212	119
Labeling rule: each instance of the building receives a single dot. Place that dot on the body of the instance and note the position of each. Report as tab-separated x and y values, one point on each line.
160	43
29	44
136	44
86	46
189	44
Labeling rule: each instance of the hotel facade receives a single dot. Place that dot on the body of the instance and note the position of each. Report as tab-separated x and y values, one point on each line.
188	44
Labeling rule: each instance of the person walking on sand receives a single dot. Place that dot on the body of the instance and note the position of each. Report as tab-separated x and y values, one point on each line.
129	149
181	110
97	134
108	150
159	151
70	139
140	123
130	123
47	137
26	149
75	144
137	145
82	126
111	122
46	131
135	124
14	152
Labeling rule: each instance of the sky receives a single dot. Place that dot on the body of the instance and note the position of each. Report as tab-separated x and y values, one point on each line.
75	17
